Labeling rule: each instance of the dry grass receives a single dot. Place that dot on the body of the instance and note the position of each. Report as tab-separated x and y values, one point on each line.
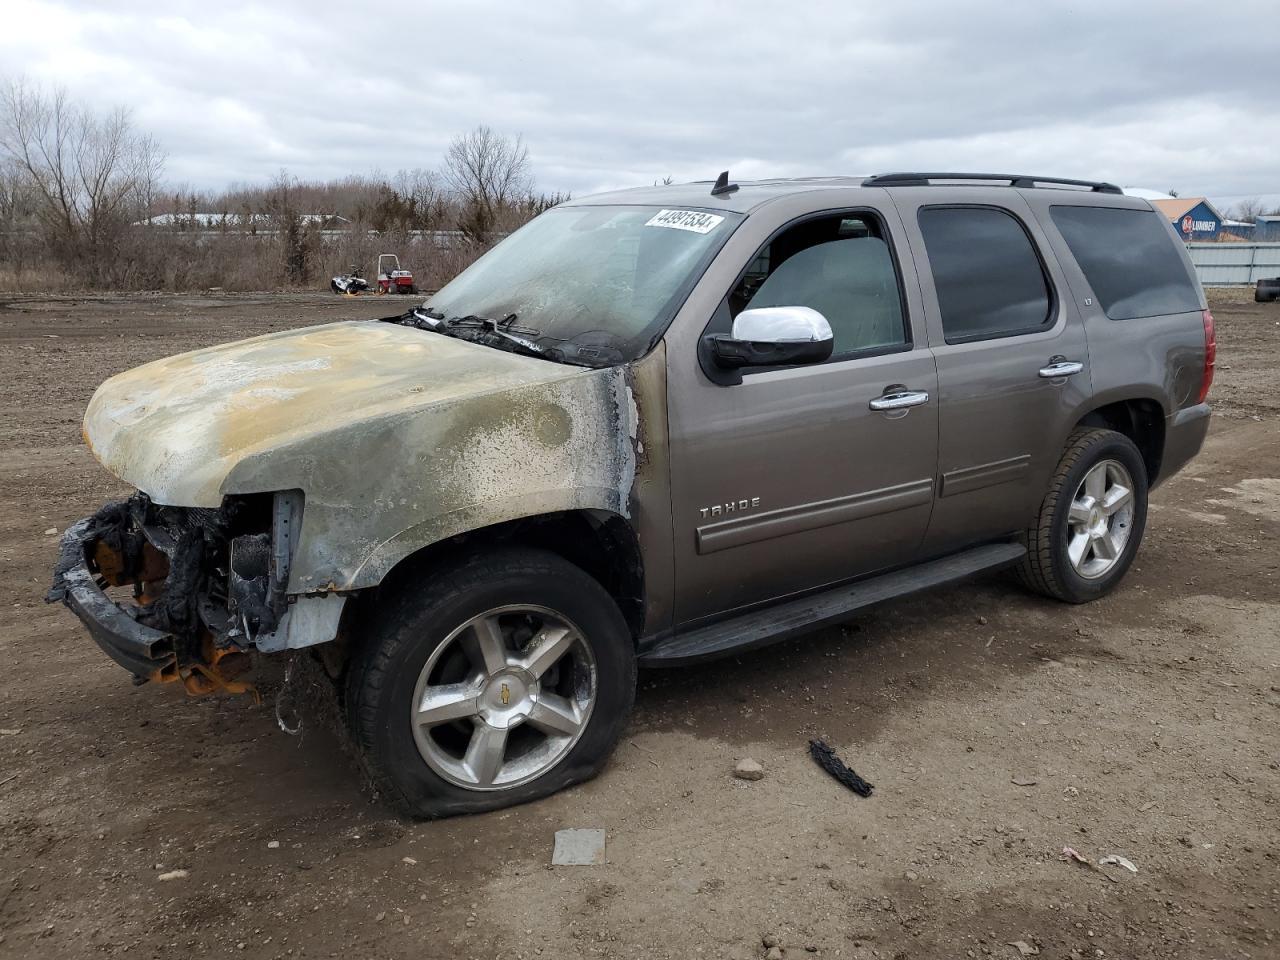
160	259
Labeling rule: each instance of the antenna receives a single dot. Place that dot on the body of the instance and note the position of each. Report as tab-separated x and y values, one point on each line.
723	185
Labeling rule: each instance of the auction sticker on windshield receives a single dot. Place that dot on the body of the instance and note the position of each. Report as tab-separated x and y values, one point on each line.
692	220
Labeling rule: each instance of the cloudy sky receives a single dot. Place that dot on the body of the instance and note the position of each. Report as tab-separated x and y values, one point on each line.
1158	94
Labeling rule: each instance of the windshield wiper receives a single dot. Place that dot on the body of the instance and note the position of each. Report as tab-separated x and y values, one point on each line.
477	329
510	337
489	328
487	323
424	318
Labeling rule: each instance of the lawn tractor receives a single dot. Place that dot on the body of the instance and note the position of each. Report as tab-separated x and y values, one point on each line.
391	278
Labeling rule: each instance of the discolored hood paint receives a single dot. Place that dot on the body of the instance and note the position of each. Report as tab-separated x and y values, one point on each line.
397	437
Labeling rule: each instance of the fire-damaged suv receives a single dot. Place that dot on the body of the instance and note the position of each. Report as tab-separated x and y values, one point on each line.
649	427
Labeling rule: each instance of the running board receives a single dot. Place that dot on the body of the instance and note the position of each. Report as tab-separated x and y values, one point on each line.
759	628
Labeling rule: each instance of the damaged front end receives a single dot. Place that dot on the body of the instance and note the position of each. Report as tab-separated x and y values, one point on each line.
183	593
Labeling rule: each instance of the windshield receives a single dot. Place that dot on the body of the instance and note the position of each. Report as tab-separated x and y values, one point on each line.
606	278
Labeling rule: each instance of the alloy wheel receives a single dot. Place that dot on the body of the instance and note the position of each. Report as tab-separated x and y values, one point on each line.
504	698
1100	519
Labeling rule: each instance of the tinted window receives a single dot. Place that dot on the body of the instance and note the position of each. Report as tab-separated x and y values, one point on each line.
988	277
840	266
1129	259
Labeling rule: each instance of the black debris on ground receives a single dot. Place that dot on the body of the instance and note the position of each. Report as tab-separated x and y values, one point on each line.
826	758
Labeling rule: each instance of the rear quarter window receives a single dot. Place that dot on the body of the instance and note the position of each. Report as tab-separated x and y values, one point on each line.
1129	259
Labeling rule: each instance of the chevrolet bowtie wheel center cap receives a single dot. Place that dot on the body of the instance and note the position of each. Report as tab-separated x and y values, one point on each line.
506	698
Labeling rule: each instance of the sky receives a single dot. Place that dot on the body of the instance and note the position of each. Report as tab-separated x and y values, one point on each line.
1165	95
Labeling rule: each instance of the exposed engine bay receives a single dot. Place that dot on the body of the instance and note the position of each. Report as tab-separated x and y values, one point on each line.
195	589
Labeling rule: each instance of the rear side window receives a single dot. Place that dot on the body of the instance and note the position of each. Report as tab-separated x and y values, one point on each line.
1129	259
989	279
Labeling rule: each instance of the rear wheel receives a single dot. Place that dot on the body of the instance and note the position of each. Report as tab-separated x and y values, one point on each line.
1263	294
499	681
1091	522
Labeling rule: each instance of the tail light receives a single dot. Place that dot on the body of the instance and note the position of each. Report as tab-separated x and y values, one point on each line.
1210	356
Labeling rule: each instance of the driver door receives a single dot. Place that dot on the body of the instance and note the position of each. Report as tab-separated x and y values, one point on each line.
792	479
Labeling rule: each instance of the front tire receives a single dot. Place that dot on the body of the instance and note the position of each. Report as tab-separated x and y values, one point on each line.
1091	522
499	680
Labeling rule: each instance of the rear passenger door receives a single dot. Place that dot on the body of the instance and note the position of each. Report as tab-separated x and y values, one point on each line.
1013	363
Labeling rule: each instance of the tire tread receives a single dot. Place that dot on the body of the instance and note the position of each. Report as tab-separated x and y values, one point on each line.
1036	571
372	666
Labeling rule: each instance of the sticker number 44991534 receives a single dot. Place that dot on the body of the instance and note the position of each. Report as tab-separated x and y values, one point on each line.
692	220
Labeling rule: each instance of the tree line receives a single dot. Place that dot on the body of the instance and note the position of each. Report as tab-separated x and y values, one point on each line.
83	205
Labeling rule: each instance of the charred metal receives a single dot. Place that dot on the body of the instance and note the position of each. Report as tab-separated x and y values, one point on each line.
402	443
192	587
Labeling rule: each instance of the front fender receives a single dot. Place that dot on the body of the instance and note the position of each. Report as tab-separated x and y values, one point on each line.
377	491
478	515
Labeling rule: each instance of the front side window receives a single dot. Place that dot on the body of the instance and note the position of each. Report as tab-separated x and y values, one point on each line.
607	278
989	280
841	266
1129	259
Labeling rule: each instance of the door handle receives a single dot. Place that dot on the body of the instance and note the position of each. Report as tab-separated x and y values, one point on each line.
900	400
1061	367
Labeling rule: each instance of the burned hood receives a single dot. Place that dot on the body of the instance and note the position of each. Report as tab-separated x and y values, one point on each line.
180	428
396	437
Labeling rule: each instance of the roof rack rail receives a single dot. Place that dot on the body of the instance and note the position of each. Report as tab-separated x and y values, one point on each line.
1015	180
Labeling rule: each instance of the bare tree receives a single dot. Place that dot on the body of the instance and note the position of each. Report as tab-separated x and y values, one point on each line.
423	194
298	239
90	173
16	219
74	183
489	173
1247	211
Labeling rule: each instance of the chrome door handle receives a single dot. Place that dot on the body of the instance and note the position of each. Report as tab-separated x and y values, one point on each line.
899	401
1061	368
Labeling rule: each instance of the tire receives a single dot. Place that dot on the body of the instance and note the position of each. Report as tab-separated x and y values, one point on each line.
1048	567
333	285
1264	294
421	636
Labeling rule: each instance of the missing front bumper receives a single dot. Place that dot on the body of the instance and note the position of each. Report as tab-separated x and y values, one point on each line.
178	626
144	651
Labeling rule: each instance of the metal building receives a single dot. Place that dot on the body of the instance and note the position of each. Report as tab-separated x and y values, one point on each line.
1266	227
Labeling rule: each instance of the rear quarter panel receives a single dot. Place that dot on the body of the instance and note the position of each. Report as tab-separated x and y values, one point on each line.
1153	358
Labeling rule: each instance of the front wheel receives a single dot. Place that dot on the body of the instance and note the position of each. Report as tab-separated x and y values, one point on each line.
1091	521
498	681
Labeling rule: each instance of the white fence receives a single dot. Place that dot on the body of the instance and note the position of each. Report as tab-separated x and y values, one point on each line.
1234	263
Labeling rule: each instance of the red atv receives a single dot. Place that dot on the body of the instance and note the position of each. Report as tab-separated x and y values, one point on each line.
391	278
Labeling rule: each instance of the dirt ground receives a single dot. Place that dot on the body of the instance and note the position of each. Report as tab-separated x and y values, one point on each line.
997	728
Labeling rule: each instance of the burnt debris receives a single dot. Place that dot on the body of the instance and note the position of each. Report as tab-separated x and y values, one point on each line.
195	572
825	757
